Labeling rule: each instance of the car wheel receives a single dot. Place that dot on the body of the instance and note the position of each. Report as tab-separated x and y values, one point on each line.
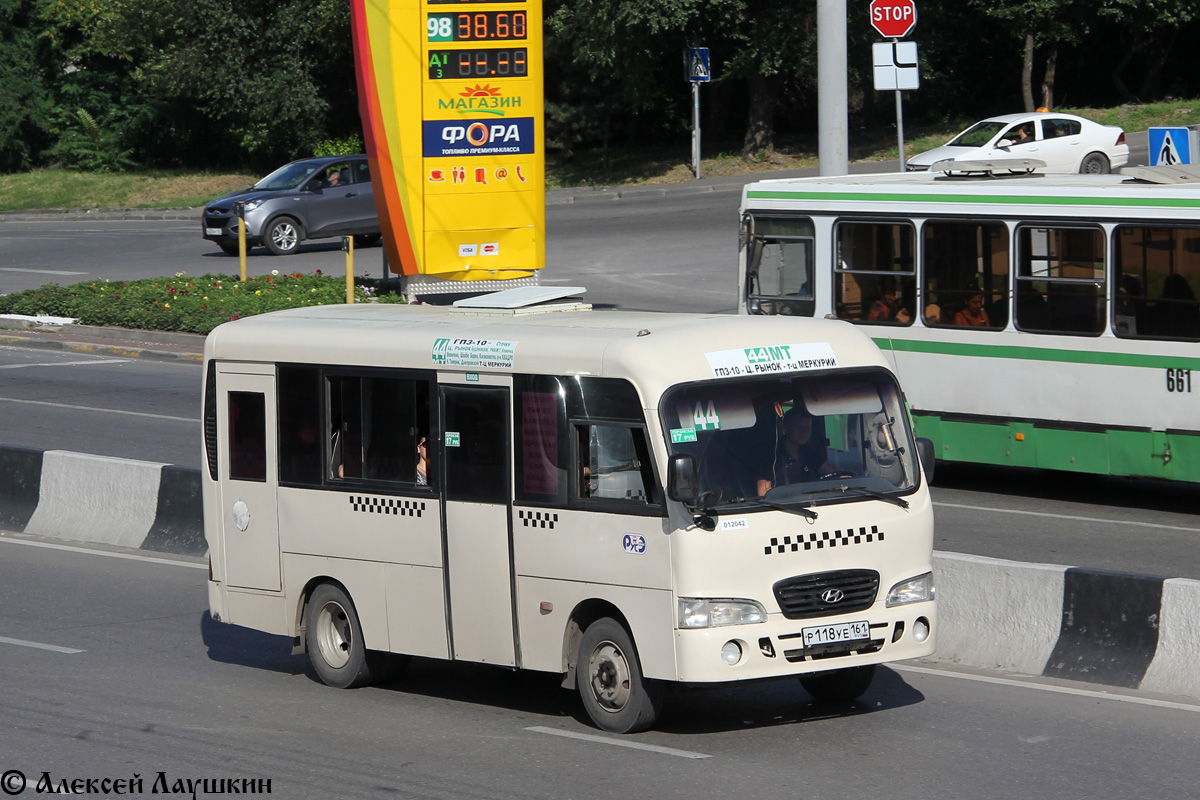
609	678
1095	164
366	239
283	236
229	249
839	685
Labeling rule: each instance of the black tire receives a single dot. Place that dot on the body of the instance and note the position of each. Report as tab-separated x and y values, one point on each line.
283	236
229	249
609	678
839	685
366	239
335	640
1095	164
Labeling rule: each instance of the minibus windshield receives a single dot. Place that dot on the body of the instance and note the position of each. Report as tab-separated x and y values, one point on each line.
800	439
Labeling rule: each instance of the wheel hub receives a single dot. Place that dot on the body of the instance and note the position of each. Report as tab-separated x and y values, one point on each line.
610	676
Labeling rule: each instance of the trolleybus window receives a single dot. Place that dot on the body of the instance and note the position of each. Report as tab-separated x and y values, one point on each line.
965	274
1060	280
1157	273
874	272
779	266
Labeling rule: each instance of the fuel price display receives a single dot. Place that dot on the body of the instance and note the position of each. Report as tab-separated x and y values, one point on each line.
481	26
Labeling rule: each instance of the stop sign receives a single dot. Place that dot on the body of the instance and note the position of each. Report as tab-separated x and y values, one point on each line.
893	18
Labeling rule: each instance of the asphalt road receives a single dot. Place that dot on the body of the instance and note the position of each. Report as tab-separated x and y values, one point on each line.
141	682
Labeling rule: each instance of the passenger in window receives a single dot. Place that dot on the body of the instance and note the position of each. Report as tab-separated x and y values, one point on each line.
422	460
973	313
887	307
800	456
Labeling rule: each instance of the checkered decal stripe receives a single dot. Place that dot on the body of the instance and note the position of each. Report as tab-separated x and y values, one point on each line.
819	541
538	519
387	505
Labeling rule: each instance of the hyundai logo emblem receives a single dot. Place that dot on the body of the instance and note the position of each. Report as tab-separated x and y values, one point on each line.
832	596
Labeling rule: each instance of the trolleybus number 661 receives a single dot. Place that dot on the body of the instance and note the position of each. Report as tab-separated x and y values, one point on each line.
1179	380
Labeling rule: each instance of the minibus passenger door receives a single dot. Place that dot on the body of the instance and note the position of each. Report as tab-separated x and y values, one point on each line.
248	477
475	458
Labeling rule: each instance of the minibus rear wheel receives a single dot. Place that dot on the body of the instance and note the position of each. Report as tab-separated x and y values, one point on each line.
335	640
839	685
609	678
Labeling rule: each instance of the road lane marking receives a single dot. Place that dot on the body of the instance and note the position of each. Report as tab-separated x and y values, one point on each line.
39	646
66	363
588	737
1070	517
1045	687
40	271
105	553
101	410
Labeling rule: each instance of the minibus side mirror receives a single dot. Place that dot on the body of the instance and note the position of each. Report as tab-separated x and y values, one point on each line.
925	452
683	481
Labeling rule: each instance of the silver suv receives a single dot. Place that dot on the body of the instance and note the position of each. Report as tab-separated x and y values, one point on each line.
313	198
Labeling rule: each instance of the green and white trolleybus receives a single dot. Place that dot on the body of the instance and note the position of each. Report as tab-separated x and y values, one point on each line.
1035	320
630	500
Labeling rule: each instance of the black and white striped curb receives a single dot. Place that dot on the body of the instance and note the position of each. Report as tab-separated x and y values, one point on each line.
1108	628
112	501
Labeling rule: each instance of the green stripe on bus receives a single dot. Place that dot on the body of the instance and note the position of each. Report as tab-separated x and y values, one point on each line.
1038	354
1024	200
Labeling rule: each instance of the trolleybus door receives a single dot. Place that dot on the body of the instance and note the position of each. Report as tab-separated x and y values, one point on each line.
476	454
247	461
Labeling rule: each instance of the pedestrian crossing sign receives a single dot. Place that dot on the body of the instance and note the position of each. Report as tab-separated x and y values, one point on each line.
1172	146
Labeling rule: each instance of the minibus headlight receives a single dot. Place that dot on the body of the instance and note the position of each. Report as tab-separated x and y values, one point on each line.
913	590
701	613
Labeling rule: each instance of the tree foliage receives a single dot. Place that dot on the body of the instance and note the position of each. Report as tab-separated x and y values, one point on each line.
101	84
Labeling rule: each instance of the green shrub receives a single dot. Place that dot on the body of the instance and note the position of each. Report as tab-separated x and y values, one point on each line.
193	305
347	145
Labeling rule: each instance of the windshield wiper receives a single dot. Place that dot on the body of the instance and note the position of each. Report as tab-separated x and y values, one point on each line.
804	510
899	501
705	514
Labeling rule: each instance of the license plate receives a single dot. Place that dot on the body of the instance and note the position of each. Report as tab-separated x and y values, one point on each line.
213	231
833	634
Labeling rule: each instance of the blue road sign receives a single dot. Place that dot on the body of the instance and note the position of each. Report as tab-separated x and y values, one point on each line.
1170	146
698	66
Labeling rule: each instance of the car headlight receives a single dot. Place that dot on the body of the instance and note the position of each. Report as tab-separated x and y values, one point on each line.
255	203
702	613
913	590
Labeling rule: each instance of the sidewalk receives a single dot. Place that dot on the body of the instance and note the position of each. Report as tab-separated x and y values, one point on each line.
120	342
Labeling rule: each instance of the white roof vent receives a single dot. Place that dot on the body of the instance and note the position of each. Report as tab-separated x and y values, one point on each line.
1179	173
525	299
988	167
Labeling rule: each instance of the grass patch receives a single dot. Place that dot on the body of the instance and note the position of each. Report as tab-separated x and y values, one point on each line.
65	189
193	305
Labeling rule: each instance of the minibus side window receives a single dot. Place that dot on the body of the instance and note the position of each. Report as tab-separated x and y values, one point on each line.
299	422
614	465
541	438
373	426
247	436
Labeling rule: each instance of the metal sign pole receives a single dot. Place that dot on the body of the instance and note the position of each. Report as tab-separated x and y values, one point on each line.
900	128
696	128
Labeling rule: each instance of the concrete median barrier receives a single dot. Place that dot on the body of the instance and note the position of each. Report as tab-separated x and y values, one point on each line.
113	501
1110	628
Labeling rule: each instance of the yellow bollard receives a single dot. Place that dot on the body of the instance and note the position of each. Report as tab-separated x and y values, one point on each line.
348	246
239	208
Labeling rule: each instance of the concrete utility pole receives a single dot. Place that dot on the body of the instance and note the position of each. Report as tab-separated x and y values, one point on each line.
832	95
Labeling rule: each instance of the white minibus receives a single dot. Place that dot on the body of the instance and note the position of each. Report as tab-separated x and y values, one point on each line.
632	500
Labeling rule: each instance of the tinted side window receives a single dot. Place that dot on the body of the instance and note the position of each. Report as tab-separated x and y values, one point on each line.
373	425
874	272
247	436
1157	275
542	454
1060	280
614	464
965	269
362	172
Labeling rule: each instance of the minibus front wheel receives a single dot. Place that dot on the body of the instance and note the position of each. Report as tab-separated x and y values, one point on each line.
609	678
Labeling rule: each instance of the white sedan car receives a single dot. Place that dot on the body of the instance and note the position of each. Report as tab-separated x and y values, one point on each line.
1064	142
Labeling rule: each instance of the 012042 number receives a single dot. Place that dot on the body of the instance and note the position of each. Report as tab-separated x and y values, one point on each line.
1179	380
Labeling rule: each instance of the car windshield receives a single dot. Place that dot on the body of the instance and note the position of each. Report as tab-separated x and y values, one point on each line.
289	176
801	439
977	135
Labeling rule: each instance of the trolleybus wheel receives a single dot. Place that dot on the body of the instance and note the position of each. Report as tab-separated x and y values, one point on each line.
609	678
839	685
